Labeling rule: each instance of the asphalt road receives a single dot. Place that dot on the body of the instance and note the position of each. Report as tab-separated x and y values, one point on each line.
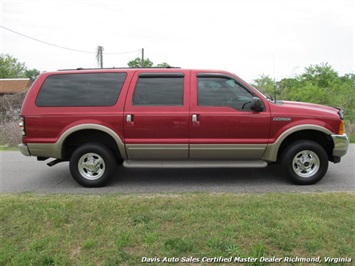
25	174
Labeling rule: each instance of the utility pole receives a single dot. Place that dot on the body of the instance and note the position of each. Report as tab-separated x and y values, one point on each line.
142	57
99	56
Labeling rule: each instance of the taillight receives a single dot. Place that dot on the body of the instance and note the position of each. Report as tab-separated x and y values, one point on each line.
22	126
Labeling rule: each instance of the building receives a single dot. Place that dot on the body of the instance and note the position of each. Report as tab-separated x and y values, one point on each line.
12	86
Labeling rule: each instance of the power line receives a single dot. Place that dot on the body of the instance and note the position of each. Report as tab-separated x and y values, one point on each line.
51	44
129	52
62	47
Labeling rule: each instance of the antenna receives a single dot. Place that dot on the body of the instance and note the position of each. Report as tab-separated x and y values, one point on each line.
274	83
142	57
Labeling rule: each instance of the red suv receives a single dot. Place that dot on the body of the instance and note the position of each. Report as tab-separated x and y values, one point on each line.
173	117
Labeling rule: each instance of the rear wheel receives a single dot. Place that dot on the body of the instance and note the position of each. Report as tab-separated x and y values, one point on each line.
92	165
305	162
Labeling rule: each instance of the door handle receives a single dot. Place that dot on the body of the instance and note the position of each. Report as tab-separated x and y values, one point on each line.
194	119
129	118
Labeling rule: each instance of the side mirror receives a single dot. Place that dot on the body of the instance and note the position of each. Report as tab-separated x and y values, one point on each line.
257	105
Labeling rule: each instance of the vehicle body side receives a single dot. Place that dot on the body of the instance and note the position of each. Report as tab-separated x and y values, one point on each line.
159	132
212	116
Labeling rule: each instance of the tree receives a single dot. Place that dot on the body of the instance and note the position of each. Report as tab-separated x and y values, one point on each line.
10	67
163	65
321	84
266	85
138	63
147	63
32	74
322	75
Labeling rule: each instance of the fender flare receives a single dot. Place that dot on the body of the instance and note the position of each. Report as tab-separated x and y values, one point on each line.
68	132
272	150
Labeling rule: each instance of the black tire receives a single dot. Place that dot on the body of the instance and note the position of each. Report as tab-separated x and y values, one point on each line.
92	165
305	162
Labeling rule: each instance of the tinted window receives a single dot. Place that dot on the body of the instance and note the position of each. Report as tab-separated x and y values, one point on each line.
223	91
167	90
97	89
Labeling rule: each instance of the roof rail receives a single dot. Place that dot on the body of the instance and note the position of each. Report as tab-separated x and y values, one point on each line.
81	68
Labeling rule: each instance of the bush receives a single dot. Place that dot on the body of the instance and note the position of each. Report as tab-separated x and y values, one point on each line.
10	106
350	131
10	134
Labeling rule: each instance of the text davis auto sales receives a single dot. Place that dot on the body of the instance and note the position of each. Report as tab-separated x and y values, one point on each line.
232	259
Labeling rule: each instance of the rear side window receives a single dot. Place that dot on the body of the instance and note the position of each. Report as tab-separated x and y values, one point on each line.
94	89
159	90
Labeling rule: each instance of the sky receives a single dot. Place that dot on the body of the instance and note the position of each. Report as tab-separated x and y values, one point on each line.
248	38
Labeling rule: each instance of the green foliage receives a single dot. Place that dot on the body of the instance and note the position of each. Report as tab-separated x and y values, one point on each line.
265	84
32	74
319	84
308	93
322	75
10	67
137	62
164	64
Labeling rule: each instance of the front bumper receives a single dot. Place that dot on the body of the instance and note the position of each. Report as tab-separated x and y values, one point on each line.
341	144
24	149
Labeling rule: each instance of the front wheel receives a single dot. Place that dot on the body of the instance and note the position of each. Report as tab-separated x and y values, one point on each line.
305	162
92	165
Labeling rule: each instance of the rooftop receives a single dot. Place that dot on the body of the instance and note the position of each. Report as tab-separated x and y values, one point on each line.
14	85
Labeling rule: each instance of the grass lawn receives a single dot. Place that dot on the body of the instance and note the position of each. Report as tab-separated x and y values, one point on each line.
128	229
352	138
6	148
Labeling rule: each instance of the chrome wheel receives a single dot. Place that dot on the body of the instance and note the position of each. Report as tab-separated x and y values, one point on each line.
91	166
306	163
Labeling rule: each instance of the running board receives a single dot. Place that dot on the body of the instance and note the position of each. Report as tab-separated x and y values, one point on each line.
194	164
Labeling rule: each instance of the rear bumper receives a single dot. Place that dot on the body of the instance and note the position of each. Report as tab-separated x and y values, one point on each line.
341	145
24	149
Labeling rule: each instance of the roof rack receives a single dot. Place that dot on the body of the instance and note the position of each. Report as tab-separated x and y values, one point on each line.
81	68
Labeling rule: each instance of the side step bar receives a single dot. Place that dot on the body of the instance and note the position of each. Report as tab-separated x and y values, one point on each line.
194	164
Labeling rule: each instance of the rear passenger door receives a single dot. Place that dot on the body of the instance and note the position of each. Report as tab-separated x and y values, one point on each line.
157	115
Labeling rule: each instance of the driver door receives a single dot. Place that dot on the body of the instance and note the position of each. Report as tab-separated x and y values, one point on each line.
223	124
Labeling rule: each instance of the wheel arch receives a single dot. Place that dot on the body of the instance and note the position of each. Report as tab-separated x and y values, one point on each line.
318	134
84	133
